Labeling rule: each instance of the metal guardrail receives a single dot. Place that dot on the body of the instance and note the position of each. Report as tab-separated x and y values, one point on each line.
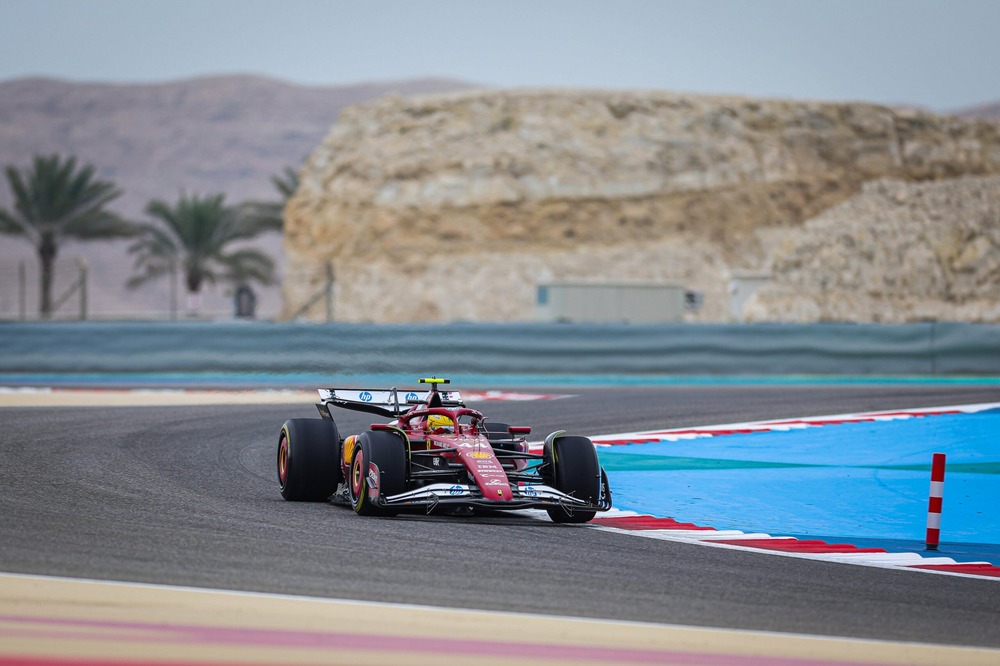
605	349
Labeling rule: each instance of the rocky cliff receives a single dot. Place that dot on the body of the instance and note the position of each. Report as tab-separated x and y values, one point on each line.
897	252
456	206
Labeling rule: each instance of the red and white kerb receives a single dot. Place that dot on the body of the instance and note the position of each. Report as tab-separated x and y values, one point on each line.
935	502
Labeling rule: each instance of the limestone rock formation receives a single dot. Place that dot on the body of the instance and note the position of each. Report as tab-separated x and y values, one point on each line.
456	206
897	252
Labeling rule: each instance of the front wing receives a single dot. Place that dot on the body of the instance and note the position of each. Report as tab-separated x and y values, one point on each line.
534	496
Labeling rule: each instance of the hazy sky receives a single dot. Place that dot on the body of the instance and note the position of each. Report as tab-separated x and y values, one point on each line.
938	54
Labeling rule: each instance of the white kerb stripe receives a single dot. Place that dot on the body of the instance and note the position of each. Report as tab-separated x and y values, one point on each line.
937	488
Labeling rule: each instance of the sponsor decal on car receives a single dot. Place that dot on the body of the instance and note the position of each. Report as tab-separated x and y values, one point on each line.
496	482
456	490
365	396
412	396
480	455
492	473
529	491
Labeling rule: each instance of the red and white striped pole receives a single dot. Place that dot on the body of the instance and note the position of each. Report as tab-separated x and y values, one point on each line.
935	502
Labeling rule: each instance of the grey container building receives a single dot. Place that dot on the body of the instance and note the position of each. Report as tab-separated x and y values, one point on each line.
610	302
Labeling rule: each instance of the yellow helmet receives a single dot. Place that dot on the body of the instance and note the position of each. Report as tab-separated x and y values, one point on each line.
436	421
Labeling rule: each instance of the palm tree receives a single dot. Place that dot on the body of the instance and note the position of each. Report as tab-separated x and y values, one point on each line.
53	202
269	215
195	233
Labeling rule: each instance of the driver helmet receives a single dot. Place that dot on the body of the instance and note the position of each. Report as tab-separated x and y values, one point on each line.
439	423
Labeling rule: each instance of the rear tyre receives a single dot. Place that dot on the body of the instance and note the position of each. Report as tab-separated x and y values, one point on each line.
574	469
308	459
386	453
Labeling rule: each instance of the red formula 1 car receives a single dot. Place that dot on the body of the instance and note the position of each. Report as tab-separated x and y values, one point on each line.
435	453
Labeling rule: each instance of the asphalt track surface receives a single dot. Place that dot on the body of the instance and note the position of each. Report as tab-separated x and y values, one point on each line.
187	496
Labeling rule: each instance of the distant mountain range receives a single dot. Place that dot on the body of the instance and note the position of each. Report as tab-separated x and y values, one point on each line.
227	134
990	111
221	134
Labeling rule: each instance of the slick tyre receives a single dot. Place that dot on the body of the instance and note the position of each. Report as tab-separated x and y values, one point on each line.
308	459
573	469
382	456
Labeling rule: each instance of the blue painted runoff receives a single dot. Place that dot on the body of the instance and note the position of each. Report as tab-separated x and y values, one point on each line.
860	483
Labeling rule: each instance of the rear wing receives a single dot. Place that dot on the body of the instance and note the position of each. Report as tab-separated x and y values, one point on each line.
390	402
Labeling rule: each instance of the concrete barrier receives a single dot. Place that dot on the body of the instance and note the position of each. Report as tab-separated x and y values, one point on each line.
688	349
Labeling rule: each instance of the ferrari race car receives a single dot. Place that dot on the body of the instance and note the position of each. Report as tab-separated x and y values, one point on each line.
435	453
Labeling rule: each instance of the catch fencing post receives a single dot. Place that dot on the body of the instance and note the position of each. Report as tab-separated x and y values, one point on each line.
329	291
22	281
935	502
83	288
